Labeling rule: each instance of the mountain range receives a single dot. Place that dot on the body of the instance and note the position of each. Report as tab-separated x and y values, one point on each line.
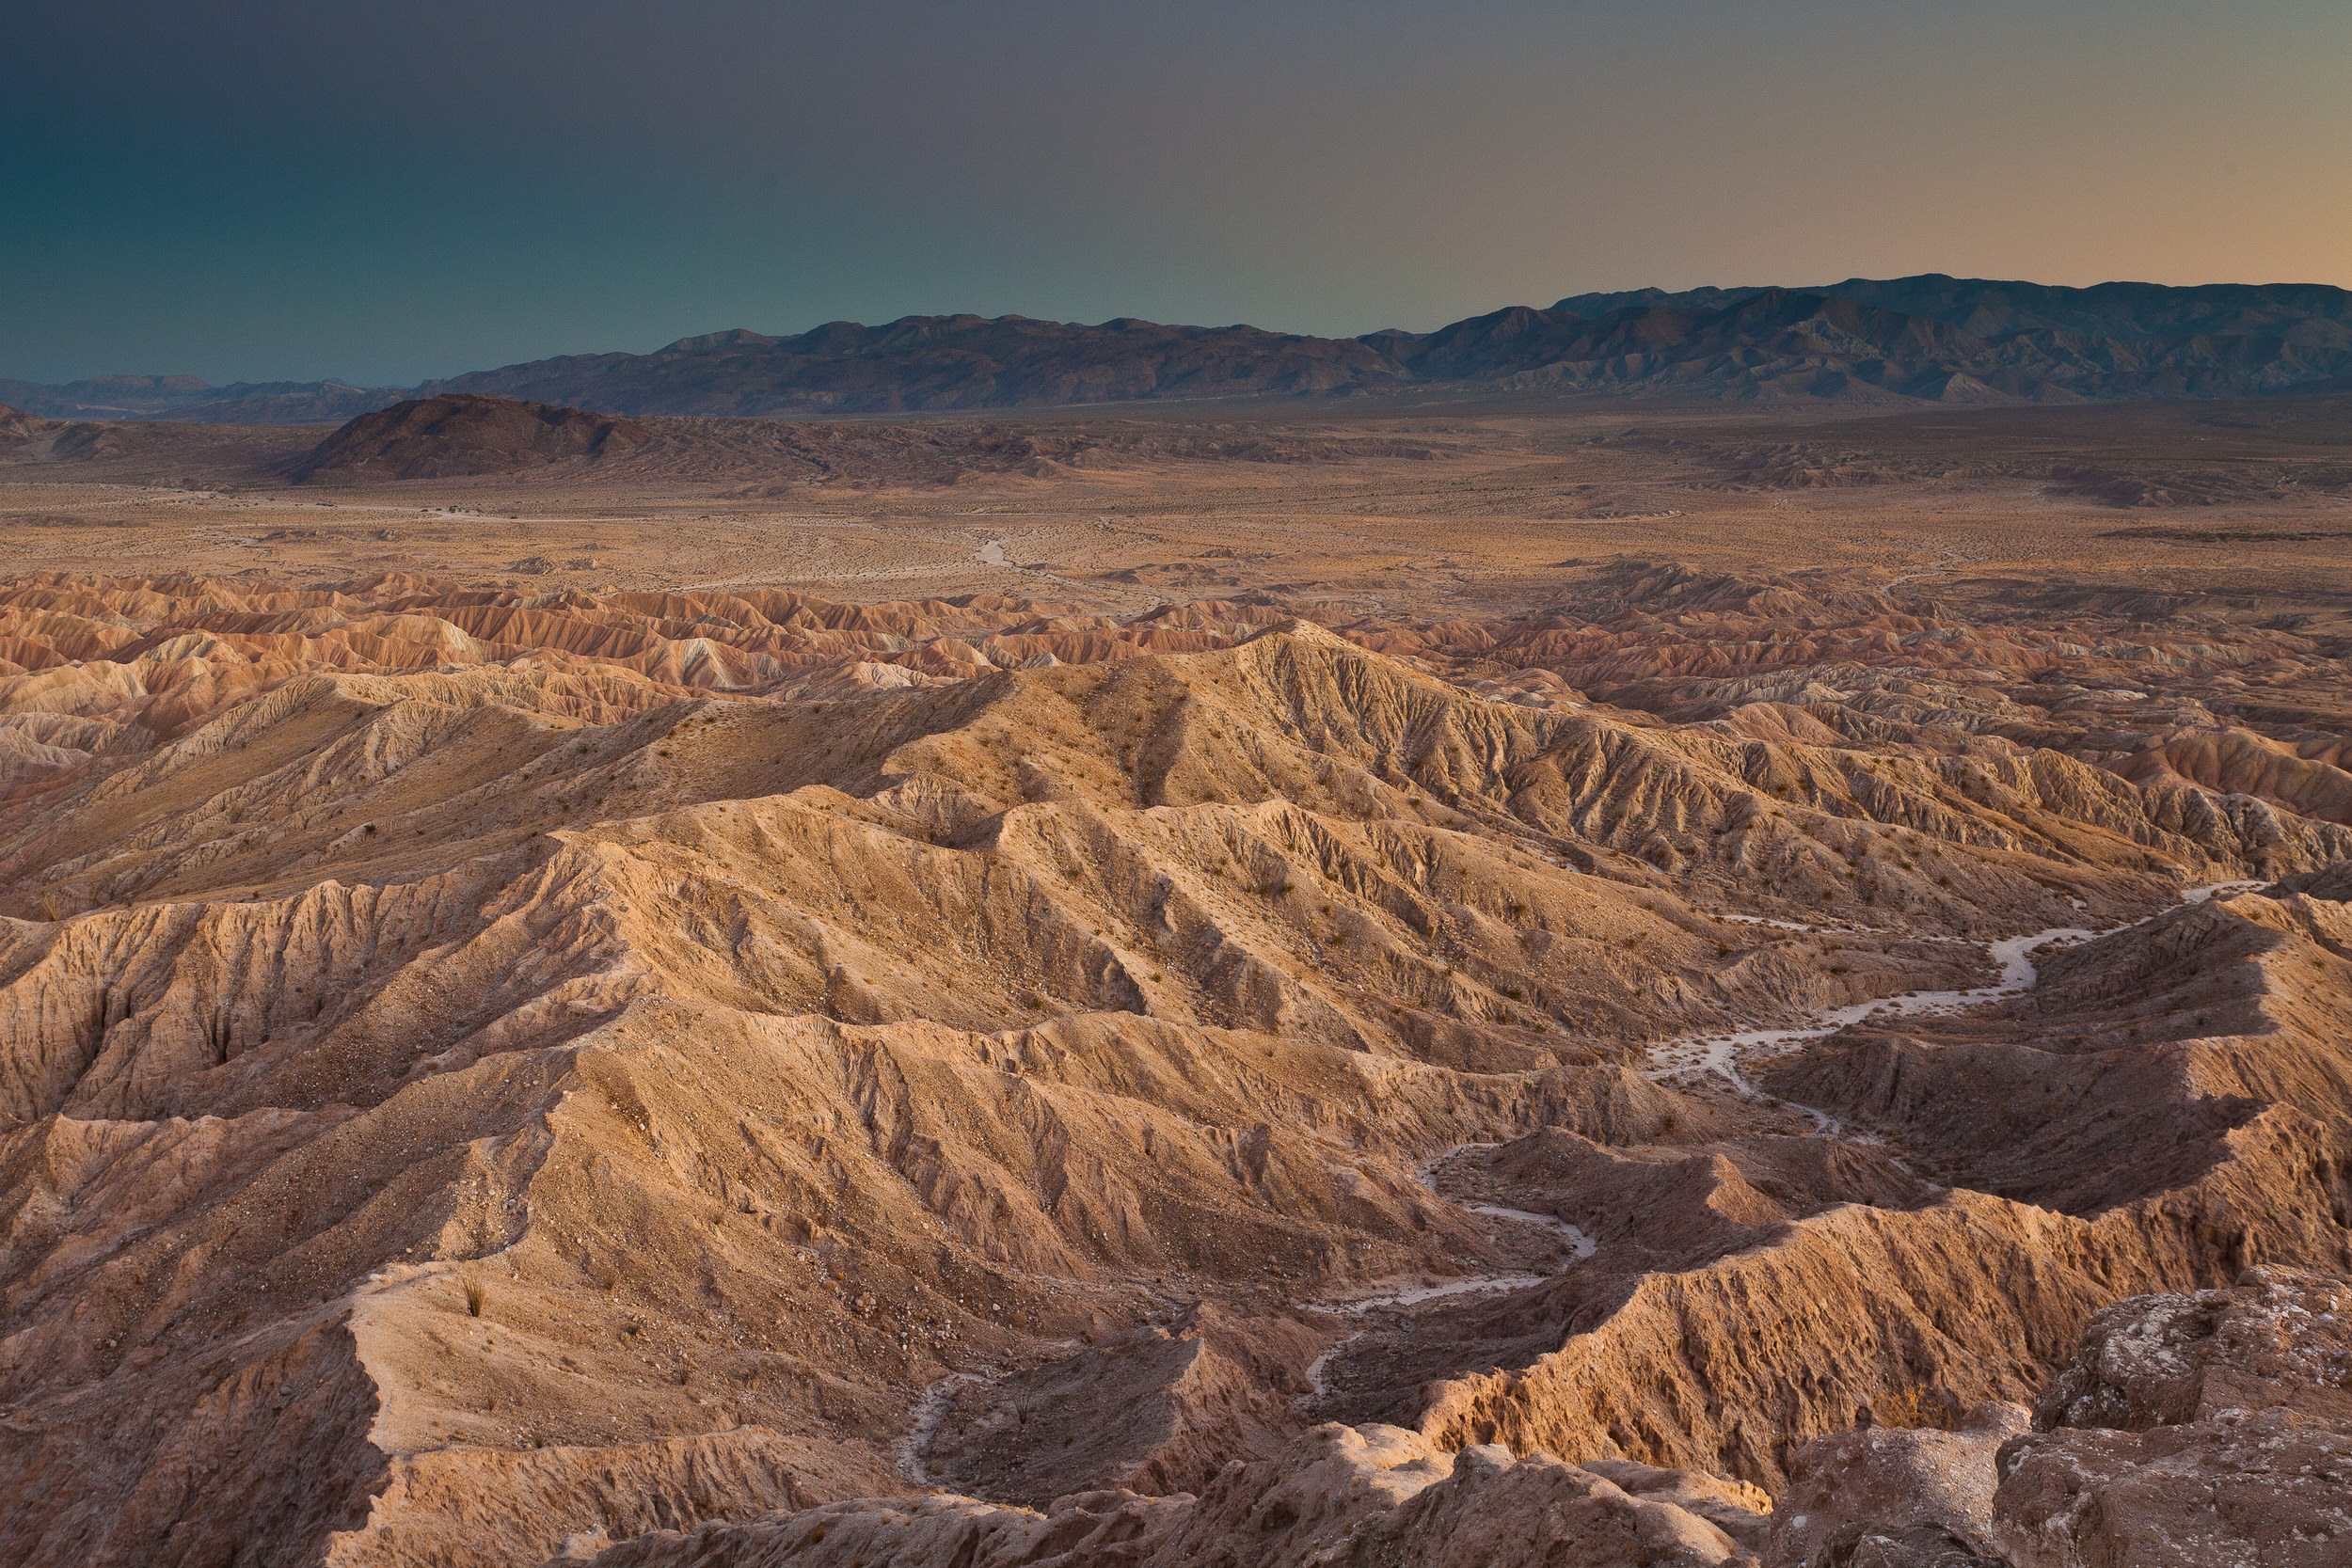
1931	337
190	399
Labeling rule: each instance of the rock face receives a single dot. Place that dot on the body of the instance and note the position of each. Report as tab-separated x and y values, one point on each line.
1154	1410
2203	1429
2211	1428
1917	1489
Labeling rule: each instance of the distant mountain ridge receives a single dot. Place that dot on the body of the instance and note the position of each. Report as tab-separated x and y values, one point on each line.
932	363
1931	337
2130	312
186	399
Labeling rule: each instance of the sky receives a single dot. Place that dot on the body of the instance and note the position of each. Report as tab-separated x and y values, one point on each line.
265	189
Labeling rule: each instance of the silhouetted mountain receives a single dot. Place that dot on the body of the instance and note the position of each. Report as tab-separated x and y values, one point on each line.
188	399
2114	339
285	403
1597	306
441	437
2128	312
1772	342
1934	337
2145	315
104	397
1930	337
929	363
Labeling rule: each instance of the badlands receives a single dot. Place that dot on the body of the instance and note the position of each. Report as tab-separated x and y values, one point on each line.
1453	982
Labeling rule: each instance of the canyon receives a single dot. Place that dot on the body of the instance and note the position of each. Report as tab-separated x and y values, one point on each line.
1474	981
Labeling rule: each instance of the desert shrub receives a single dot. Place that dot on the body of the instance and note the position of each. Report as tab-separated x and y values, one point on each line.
1910	1408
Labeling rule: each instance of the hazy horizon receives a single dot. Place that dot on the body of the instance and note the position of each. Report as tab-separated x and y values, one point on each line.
264	192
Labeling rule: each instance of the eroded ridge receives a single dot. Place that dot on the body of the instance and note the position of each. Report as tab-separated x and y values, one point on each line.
488	1078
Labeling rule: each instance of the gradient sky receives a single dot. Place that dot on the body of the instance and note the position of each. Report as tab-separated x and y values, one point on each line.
263	189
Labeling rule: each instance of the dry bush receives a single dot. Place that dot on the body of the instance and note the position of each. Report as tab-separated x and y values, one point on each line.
1908	1407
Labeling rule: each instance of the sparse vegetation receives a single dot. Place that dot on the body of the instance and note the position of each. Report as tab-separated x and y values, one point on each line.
1909	1406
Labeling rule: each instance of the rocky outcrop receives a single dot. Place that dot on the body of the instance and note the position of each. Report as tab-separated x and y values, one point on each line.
2192	1430
2187	1430
1921	1490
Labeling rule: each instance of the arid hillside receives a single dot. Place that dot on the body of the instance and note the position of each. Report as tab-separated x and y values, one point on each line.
490	1074
462	438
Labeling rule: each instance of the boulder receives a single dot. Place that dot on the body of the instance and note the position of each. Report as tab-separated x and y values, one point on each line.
2192	1431
1893	1495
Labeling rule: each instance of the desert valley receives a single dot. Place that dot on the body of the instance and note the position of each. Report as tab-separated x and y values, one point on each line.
1683	948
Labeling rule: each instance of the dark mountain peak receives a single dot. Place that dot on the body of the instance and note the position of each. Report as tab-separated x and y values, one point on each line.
1595	306
1513	321
1772	303
936	363
939	326
1930	335
106	397
458	433
1780	308
713	342
2126	312
136	385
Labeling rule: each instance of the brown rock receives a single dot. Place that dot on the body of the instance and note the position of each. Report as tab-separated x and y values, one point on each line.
2190	1430
1889	1481
1740	1509
1917	1546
